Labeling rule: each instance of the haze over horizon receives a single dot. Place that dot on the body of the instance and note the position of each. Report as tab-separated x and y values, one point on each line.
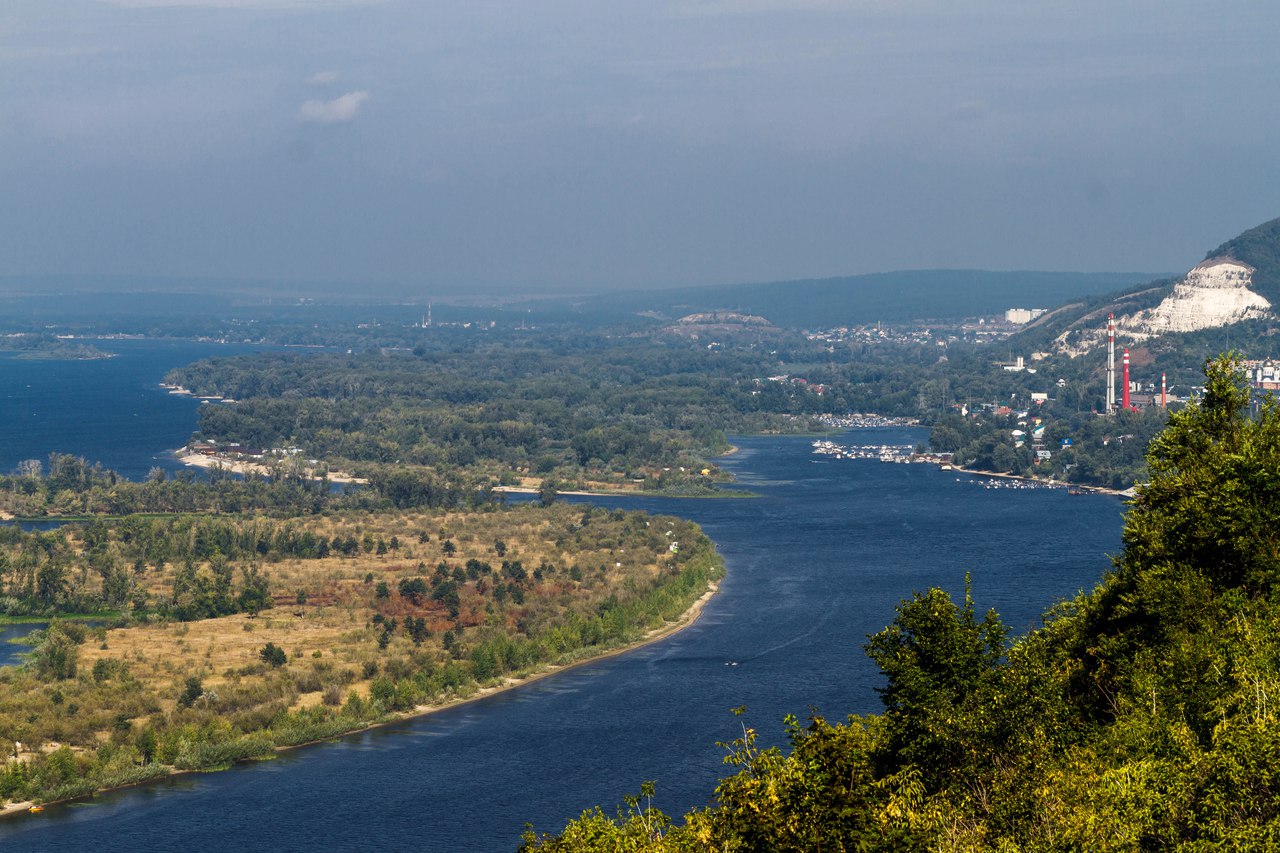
490	146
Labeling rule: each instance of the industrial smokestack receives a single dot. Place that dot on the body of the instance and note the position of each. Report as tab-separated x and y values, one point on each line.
1125	403
1111	363
1164	393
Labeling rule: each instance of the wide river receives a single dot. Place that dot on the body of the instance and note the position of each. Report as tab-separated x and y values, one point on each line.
816	563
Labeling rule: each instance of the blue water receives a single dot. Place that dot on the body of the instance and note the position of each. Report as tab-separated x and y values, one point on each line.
815	565
11	652
12	637
107	410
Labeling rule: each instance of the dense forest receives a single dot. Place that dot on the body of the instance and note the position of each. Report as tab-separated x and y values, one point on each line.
1141	716
620	412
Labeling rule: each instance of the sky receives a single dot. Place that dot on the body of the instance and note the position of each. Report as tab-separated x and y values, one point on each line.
508	145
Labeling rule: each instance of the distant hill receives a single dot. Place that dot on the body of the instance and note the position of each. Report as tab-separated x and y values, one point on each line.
850	300
1229	290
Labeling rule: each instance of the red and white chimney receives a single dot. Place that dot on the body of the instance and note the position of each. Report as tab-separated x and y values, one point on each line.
1164	393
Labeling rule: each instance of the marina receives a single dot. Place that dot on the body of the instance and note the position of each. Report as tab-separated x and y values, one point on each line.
897	453
907	454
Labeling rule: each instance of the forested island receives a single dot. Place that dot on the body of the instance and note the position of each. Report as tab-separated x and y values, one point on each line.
45	346
580	410
1139	717
219	638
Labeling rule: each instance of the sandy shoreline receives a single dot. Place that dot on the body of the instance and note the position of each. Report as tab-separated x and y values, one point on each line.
529	490
686	619
199	460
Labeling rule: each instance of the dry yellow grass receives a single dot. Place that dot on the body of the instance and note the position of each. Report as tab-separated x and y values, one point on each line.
161	657
488	598
331	629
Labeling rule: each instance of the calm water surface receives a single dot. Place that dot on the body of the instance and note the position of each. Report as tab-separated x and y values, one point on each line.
106	410
11	649
815	565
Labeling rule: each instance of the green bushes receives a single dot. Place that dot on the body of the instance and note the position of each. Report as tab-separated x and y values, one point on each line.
214	754
55	656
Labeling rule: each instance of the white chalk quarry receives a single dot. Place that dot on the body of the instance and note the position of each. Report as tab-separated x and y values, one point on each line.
1214	293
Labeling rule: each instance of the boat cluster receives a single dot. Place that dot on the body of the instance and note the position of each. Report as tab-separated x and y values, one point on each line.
1009	483
904	453
883	452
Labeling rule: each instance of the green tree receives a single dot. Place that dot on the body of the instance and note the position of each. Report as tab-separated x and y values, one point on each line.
935	656
1215	488
273	655
1201	542
192	690
57	656
255	595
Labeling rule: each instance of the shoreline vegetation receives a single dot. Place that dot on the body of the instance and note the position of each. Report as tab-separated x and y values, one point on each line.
530	486
687	619
246	467
239	636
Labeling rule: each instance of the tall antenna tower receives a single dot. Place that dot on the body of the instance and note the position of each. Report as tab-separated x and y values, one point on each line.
1111	363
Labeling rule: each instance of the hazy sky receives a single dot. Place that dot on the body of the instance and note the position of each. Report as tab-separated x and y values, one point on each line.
474	145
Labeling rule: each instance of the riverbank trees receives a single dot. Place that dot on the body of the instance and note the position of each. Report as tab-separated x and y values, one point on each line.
1083	447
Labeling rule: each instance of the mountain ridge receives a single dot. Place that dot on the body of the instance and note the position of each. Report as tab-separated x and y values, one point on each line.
893	297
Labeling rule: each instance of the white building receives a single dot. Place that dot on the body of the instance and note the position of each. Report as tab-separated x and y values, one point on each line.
1021	316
